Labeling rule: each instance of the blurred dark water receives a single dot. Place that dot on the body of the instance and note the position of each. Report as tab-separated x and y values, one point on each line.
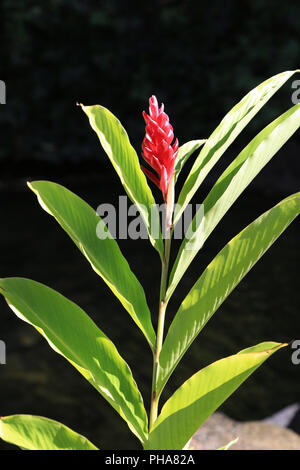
265	306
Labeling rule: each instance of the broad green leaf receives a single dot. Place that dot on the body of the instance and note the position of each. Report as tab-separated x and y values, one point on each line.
226	132
122	155
71	333
230	186
81	223
39	433
184	153
219	279
202	394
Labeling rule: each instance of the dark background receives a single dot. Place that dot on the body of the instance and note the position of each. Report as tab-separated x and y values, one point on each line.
199	58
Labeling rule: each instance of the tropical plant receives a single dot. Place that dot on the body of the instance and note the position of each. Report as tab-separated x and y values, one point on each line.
70	331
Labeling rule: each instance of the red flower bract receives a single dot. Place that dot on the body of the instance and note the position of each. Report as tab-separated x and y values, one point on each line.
157	148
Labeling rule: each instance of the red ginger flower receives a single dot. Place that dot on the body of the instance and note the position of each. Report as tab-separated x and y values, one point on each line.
157	148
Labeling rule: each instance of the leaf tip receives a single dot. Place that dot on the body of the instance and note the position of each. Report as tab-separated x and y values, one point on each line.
83	107
275	348
30	185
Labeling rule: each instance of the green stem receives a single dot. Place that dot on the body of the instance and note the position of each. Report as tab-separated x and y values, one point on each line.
160	328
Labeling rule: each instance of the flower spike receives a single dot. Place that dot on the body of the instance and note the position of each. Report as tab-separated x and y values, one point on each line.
157	149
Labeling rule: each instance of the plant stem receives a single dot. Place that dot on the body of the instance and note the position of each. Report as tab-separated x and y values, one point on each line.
160	328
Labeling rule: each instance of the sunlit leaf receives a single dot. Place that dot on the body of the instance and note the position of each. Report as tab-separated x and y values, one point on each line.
230	186
193	402
219	279
71	333
38	433
122	155
81	223
226	132
184	153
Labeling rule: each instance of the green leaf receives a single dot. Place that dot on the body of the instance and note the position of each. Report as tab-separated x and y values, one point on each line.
230	186
71	333
219	279
202	394
81	223
122	155
184	153
226	132
39	433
